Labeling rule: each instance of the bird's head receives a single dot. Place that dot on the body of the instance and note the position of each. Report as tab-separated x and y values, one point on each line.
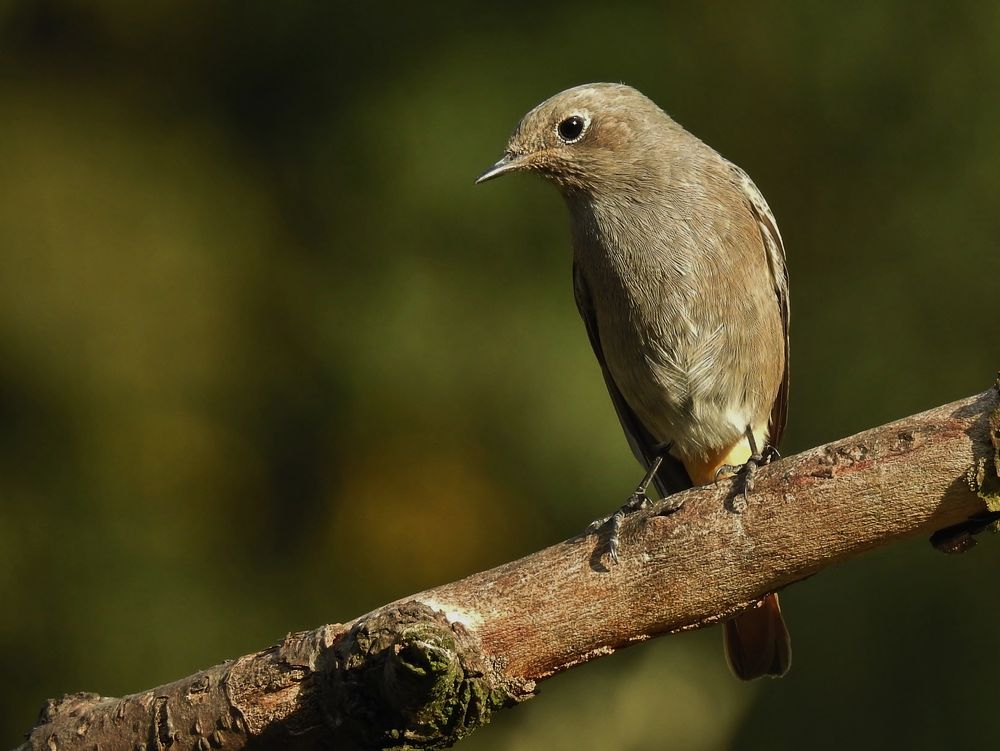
586	137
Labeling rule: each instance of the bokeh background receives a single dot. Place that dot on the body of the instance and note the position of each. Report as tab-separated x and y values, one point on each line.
268	359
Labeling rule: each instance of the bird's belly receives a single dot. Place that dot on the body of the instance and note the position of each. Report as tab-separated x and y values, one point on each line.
696	403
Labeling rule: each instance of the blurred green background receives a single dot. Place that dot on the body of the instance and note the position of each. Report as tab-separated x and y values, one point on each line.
269	360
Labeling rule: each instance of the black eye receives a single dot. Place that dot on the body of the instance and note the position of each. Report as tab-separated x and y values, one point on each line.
571	128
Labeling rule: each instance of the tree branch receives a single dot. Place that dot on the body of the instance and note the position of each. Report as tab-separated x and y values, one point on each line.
424	671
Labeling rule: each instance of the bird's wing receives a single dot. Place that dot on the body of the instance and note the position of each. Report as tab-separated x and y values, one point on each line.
775	250
671	477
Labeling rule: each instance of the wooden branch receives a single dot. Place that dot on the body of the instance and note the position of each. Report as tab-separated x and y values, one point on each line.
424	671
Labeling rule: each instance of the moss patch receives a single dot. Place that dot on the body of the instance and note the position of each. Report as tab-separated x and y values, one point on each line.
406	678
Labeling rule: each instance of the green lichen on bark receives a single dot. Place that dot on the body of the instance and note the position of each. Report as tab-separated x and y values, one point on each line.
983	479
407	678
984	475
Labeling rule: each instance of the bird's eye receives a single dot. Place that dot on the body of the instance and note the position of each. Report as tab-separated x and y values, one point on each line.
571	129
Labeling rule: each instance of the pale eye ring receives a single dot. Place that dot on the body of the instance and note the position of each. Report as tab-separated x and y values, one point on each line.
572	128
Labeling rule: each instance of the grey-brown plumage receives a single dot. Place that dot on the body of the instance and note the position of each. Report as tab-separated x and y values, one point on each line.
679	275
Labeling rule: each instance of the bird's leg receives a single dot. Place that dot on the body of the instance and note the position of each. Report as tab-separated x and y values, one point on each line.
636	501
746	471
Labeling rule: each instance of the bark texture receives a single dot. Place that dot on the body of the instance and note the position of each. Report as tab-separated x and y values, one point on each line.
425	671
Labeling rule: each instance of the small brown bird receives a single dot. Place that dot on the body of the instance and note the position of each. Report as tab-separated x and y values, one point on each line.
679	275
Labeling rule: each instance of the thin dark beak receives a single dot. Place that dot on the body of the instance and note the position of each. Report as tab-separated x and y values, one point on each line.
507	163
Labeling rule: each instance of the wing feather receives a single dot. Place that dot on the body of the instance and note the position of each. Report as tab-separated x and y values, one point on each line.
775	250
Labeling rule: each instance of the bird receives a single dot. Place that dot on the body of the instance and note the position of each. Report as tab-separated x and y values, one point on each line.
679	275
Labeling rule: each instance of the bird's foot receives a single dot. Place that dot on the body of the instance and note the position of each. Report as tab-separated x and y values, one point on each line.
745	474
613	524
637	501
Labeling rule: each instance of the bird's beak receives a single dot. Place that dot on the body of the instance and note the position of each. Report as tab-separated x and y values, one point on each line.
507	163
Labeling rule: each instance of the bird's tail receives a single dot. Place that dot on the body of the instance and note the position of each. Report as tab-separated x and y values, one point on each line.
757	641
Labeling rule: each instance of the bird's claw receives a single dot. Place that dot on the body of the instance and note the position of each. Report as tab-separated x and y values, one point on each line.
636	502
745	473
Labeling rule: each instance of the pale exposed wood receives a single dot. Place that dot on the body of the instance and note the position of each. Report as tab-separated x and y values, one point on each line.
487	639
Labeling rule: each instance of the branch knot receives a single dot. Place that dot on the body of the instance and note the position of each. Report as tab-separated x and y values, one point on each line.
405	677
